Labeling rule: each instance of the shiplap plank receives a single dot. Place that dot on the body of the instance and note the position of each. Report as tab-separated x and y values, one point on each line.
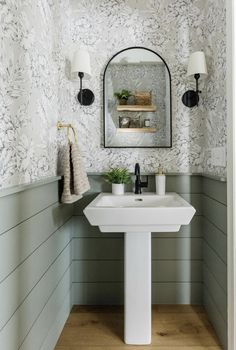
184	183
218	295
18	285
57	325
215	189
216	319
39	331
215	212
177	248
82	229
215	238
215	254
113	293
35	251
215	265
20	206
113	271
113	248
7	191
98	293
177	293
98	248
177	271
19	242
37	299
98	271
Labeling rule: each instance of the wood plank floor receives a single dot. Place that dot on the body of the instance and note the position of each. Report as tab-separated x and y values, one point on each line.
181	327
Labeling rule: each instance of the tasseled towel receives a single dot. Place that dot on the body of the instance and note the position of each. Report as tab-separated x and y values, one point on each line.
75	178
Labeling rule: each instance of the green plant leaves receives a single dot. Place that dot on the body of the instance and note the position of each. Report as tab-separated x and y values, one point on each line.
124	94
118	176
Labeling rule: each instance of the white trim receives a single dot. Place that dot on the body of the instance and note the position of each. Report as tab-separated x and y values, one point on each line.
231	178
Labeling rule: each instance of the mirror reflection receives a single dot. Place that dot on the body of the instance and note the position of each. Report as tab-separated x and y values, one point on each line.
137	100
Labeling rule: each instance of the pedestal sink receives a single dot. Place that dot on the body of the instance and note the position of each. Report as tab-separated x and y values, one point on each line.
137	216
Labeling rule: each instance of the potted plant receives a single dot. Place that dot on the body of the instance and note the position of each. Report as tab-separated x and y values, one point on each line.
118	177
123	96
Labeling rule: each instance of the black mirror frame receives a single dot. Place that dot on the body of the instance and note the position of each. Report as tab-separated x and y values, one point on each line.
104	117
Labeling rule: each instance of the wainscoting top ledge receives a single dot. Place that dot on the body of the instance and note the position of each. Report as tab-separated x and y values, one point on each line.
43	181
210	176
215	177
19	188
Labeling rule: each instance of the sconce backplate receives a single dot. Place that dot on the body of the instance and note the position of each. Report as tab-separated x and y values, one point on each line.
86	98
190	98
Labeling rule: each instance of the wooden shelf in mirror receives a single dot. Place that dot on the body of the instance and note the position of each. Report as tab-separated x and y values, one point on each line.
136	108
137	129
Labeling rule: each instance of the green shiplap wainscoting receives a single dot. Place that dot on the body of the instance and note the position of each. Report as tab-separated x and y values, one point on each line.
214	207
51	258
35	266
176	257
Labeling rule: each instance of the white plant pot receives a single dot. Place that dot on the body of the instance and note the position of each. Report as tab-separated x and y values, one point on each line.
118	189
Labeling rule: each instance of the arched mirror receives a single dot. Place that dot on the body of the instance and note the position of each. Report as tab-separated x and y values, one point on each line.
137	100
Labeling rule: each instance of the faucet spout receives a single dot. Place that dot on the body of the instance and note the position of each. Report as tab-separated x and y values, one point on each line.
137	169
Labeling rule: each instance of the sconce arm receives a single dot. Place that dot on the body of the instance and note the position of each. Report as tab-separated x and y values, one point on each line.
85	96
197	76
81	75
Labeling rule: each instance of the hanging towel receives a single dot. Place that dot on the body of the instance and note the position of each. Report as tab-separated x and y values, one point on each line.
75	178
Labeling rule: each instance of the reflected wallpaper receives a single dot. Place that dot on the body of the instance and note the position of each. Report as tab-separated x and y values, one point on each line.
139	77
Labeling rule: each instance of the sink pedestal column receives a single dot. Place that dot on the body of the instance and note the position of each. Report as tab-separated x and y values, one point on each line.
138	288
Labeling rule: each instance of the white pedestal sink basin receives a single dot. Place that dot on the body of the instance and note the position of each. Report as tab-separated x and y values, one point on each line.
137	216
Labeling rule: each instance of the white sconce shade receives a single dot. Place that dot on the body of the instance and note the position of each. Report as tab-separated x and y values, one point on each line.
197	67
197	63
80	66
81	63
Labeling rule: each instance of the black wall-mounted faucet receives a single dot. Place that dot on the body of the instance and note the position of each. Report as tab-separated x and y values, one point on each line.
138	183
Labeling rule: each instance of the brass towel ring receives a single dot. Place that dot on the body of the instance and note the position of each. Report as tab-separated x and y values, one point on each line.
68	126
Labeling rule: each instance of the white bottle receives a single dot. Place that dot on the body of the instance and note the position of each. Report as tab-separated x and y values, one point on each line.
160	182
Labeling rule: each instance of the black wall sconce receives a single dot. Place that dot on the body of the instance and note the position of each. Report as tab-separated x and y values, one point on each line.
80	65
196	67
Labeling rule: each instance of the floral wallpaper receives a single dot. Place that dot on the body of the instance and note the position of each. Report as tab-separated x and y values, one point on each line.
37	38
214	106
174	29
28	92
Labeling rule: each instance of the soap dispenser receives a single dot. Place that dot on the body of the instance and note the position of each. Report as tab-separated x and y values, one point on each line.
160	182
